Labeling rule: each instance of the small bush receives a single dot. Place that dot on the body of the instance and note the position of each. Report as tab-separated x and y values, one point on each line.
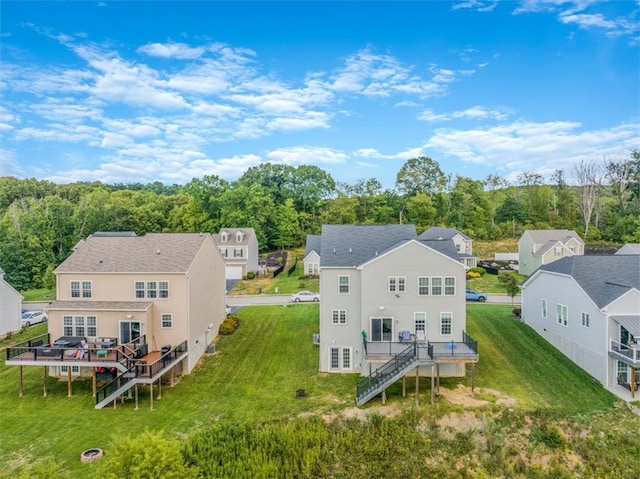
477	270
229	325
473	275
251	275
517	312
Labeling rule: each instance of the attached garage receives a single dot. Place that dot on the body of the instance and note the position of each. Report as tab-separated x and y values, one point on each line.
233	272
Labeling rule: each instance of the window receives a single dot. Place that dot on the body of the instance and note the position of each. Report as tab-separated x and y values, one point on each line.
163	289
237	252
558	251
74	369
562	313
167	321
445	323
339	316
224	252
436	286
80	330
75	289
343	284
423	285
67	326
339	358
420	321
139	286
402	284
312	268
544	308
224	236
239	236
623	371
86	289
585	320
397	284
92	326
381	329
450	286
151	289
392	284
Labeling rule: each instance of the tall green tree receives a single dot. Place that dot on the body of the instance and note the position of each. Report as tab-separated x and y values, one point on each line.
420	175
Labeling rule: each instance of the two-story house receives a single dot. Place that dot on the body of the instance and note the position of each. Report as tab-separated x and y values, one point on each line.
10	307
463	244
386	293
588	307
539	247
136	305
239	248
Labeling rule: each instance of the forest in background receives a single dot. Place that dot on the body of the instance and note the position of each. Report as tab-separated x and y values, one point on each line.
40	221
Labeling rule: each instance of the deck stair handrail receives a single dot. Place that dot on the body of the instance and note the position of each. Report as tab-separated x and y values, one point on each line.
138	372
386	374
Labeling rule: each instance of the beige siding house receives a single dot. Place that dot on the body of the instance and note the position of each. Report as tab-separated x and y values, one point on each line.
10	307
385	293
539	247
131	301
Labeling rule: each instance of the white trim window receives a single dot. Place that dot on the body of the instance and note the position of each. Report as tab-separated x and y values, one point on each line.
544	308
151	289
446	323
420	322
343	284
558	251
166	320
238	253
436	286
163	289
339	316
562	314
224	236
449	286
92	326
80	289
312	268
423	285
397	284
80	326
339	359
585	319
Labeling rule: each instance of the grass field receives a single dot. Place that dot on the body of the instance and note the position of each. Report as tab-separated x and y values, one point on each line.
254	376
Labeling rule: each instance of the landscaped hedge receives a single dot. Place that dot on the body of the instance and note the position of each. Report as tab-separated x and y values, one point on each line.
229	325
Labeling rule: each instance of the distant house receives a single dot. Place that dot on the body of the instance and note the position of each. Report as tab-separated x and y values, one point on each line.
464	244
386	294
540	247
629	248
588	307
239	248
142	306
10	307
312	255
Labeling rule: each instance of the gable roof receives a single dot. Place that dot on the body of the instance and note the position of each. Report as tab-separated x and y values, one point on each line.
152	253
313	244
441	233
247	233
603	278
547	246
544	236
352	245
629	248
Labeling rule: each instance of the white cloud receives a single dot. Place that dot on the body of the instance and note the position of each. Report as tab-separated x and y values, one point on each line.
180	51
302	155
475	113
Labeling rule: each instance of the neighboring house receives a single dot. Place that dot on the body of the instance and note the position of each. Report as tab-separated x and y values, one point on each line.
464	244
312	255
385	293
132	298
239	248
629	248
588	307
539	247
10	307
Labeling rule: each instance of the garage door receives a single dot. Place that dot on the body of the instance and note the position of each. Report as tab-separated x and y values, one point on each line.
233	272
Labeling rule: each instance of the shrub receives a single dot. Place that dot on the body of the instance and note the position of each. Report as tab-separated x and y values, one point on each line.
251	275
229	325
473	275
477	270
516	312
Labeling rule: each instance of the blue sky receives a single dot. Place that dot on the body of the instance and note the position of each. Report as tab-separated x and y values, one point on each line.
170	91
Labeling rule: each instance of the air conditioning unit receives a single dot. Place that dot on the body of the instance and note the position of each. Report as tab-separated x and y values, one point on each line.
316	339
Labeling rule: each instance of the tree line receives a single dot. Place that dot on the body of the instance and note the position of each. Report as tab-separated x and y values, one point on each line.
41	221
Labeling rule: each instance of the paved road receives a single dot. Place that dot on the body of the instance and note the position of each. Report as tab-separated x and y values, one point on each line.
252	300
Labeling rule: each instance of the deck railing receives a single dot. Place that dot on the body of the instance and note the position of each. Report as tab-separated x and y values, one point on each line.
26	346
389	369
631	352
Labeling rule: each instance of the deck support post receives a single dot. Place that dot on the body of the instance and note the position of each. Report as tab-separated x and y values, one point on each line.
404	386
438	378
44	381
473	375
417	384
69	389
136	395
20	384
632	383
433	379
94	381
151	396
159	388
384	396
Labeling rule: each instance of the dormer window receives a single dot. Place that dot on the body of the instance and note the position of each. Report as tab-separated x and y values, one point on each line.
224	236
239	236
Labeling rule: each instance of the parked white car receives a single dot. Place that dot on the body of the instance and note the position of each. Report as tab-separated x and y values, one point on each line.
33	317
305	296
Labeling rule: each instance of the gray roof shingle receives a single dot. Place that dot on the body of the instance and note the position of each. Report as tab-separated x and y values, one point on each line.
544	236
440	232
313	244
603	278
152	253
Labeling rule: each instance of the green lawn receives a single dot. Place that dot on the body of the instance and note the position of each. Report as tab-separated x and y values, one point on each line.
254	377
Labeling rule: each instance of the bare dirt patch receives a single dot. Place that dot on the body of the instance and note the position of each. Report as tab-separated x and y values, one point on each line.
480	397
